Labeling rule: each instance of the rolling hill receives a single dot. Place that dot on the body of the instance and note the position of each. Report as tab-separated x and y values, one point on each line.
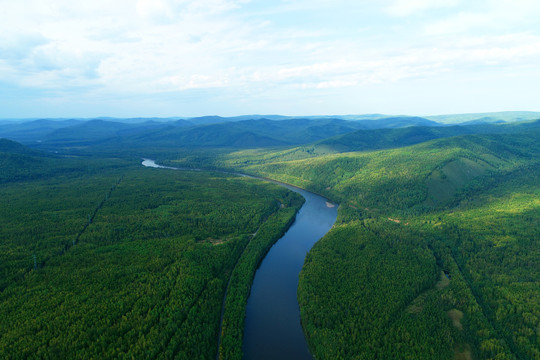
362	140
488	117
428	257
435	253
211	131
33	131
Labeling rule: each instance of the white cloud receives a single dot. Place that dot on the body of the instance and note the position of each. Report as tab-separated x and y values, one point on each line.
150	48
174	37
196	81
335	84
488	17
409	7
461	23
508	54
158	11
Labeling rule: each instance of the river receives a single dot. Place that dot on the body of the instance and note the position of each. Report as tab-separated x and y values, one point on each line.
272	325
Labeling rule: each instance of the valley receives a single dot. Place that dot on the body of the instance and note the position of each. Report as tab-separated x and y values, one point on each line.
434	253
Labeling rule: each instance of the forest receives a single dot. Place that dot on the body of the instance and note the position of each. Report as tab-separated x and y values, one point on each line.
435	253
111	260
436	250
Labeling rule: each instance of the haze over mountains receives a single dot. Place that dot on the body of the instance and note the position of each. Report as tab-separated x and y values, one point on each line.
343	133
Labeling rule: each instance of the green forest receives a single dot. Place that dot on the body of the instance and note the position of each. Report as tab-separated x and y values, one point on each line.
435	253
111	260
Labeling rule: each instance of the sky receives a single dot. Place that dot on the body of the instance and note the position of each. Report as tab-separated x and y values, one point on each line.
129	58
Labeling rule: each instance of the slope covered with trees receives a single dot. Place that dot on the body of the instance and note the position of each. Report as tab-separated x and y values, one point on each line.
435	254
119	261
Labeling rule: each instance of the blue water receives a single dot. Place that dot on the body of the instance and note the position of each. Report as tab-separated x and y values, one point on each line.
272	326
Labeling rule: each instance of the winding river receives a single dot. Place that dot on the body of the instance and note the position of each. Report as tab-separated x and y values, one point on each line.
272	325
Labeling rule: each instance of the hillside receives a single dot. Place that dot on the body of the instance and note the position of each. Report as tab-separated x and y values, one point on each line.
208	131
463	206
180	134
273	130
435	253
373	176
33	131
247	133
19	162
362	140
9	146
96	131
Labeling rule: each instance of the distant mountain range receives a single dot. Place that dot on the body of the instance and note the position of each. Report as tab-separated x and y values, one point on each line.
362	140
506	116
210	131
340	133
488	117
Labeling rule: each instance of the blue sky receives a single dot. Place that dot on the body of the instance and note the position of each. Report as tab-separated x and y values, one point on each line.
66	58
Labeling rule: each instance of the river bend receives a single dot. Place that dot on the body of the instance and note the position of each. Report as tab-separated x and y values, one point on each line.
272	325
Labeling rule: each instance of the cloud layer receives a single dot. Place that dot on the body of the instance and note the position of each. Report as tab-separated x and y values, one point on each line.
184	57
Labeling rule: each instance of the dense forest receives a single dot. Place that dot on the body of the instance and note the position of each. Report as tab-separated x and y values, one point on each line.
111	260
435	253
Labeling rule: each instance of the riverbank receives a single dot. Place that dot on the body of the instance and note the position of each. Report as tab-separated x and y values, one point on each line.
263	288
